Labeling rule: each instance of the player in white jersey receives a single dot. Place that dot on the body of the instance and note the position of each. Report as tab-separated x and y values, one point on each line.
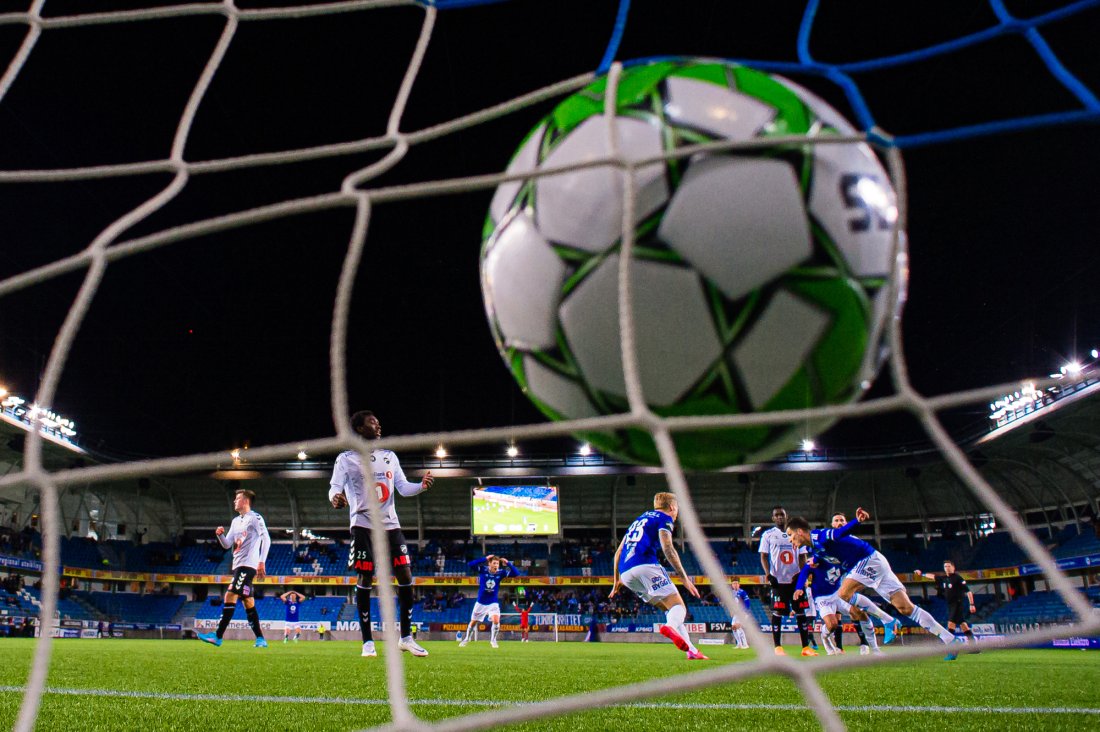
781	563
250	541
352	477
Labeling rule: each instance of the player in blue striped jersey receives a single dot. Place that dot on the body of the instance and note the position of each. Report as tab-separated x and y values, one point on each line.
638	567
491	570
863	567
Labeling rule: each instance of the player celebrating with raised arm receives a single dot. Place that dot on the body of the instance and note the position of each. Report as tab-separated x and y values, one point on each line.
781	562
864	567
638	568
292	600
250	541
348	487
491	570
953	588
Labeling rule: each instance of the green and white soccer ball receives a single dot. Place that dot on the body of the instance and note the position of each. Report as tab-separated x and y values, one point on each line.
760	276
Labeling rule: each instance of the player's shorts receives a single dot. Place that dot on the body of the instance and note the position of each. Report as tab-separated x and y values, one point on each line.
291	625
242	581
874	572
958	612
783	602
648	581
485	611
361	556
831	605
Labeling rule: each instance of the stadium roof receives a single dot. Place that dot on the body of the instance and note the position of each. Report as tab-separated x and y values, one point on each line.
1045	464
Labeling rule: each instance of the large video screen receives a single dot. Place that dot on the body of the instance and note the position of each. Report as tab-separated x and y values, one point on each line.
515	510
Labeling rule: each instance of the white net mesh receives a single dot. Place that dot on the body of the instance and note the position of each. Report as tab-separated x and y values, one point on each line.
356	193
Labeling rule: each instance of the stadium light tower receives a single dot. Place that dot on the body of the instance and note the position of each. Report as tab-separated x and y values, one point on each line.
302	455
808	445
1073	368
513	451
441	452
585	450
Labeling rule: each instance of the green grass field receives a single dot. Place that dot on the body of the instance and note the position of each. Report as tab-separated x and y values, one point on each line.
172	685
494	519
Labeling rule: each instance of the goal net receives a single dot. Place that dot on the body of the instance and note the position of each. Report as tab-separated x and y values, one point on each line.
223	157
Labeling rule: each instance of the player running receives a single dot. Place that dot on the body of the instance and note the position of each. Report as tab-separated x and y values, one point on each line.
864	567
491	570
638	568
953	588
349	486
250	541
739	636
781	563
822	579
861	606
292	600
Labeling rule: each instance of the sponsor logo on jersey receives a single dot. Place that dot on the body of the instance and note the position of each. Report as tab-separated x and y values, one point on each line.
657	582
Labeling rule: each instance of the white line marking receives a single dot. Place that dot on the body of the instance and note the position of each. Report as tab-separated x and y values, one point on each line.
500	703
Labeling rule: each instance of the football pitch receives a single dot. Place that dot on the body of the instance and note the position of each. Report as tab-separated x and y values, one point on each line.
188	685
493	518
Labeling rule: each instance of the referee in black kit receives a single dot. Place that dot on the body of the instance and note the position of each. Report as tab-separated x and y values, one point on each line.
951	586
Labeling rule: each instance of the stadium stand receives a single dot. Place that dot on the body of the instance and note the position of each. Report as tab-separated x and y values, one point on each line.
67	607
562	558
1039	607
1078	545
135	608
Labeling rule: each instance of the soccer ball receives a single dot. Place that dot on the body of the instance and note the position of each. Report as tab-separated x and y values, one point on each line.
760	275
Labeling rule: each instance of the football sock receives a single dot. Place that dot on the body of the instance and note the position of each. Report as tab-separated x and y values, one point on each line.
921	617
405	600
777	630
868	633
827	640
227	615
254	621
970	634
803	633
675	617
469	631
362	603
866	605
860	631
742	639
493	632
838	638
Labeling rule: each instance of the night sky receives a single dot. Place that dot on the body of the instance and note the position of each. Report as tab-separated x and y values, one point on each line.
217	341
